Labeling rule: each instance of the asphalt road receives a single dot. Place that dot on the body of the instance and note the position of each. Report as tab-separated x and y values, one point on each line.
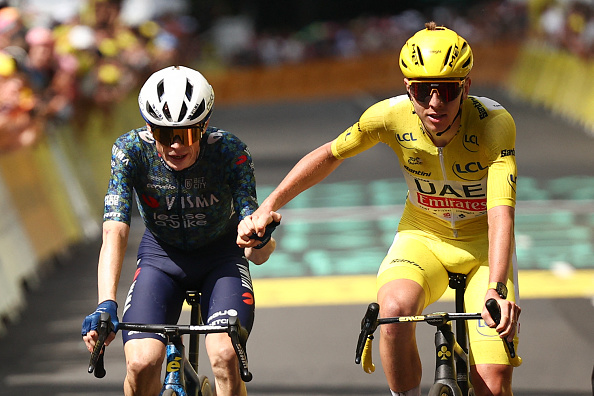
308	350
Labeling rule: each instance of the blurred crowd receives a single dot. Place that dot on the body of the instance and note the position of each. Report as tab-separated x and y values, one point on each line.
567	24
482	22
59	72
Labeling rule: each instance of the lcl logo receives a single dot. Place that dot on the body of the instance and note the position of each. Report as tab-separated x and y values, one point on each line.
406	137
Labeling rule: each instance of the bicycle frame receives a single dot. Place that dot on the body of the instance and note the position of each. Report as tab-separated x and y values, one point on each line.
451	350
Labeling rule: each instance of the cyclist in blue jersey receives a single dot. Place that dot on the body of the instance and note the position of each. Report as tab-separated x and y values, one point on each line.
193	184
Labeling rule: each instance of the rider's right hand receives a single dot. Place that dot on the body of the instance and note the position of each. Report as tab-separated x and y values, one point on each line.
255	224
91	322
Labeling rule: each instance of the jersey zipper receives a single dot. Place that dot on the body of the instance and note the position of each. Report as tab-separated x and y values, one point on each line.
445	179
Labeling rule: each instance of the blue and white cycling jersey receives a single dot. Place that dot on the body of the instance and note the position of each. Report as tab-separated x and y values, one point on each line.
187	209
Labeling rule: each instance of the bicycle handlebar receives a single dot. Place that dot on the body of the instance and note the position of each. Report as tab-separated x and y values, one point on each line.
237	333
370	323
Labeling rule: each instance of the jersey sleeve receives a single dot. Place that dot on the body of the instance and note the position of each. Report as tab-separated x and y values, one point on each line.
500	146
119	198
242	180
362	135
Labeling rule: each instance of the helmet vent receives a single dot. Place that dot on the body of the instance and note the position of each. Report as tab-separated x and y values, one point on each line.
167	112
160	90
421	61
150	110
198	111
189	89
182	112
447	57
465	47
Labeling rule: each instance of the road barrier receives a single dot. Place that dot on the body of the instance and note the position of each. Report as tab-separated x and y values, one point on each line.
338	77
561	82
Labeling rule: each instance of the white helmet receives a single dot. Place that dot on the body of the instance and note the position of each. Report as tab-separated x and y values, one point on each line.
176	96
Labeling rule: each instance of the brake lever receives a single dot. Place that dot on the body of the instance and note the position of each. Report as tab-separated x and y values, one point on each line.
239	338
96	362
368	326
495	312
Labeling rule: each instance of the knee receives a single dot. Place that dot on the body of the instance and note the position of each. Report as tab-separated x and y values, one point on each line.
138	366
492	380
397	331
221	354
485	390
401	298
144	359
397	306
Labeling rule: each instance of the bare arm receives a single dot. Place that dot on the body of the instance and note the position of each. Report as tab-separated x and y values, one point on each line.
111	257
501	230
309	171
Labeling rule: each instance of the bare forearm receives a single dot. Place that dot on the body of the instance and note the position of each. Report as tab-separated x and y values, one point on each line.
111	257
309	171
501	229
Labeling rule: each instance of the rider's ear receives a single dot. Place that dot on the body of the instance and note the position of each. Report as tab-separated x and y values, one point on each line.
466	88
406	85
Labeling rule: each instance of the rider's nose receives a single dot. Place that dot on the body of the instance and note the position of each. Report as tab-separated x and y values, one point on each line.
177	142
435	99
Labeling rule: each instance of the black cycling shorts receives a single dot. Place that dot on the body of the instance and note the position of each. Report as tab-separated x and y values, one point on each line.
219	272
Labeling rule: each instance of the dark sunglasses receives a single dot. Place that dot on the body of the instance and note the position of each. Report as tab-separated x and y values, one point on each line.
448	90
167	135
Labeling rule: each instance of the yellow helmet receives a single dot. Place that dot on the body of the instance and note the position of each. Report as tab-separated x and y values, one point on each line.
436	52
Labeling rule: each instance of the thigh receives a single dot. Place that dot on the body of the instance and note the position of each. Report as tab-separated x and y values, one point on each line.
411	257
227	289
154	297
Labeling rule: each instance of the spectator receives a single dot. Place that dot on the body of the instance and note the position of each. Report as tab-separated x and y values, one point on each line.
18	126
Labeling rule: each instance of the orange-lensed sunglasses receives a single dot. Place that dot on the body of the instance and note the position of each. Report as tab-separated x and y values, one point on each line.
167	135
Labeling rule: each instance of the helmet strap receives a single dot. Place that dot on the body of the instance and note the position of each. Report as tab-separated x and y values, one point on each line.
448	128
438	134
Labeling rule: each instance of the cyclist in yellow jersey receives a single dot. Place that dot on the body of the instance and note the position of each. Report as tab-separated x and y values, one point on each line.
458	158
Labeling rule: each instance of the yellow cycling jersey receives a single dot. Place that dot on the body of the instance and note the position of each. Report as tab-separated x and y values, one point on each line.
452	187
